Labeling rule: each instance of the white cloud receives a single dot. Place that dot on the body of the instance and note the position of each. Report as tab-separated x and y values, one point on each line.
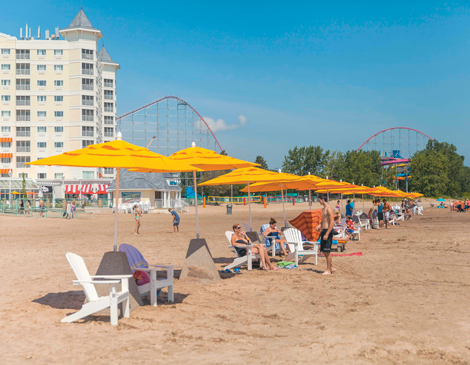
220	124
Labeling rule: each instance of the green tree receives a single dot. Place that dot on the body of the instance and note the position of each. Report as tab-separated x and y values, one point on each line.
262	162
23	185
430	170
361	168
304	160
333	166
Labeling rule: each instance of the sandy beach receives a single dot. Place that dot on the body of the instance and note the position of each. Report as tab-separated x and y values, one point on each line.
405	300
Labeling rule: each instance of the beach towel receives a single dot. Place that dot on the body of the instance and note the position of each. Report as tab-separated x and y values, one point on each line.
306	223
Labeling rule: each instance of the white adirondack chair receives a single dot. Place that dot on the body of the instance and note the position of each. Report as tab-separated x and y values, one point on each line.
294	238
264	241
96	303
420	210
241	260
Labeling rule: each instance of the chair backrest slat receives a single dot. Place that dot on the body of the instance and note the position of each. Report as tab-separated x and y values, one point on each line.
81	272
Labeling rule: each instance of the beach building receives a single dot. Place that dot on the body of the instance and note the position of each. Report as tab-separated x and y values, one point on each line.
157	190
58	93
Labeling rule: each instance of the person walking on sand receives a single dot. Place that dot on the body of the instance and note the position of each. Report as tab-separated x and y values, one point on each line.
41	208
176	220
137	214
380	207
326	234
386	209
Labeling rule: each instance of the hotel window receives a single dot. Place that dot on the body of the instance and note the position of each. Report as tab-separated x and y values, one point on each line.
58	99
22	54
42	175
22	174
58	67
87	84
41	98
23	69
58	83
20	162
58	114
108	107
58	129
42	144
6	98
58	144
108	120
41	114
23	84
23	146
87	54
41	67
23	100
58	52
87	115
5	67
87	100
42	129
6	129
5	51
6	144
6	113
87	131
88	175
23	132
58	175
109	94
23	116
108	171
108	132
86	143
41	52
41	83
108	82
87	69
6	160
6	82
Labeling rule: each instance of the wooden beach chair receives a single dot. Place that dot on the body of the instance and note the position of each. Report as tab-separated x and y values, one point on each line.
138	262
240	260
294	240
96	303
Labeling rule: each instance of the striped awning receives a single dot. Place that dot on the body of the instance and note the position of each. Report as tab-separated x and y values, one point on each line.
6	155
5	171
86	189
102	189
6	139
72	189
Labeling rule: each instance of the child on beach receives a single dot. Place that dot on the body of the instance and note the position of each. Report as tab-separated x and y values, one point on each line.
137	214
350	227
176	220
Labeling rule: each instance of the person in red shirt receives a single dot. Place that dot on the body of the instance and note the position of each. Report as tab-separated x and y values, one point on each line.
350	227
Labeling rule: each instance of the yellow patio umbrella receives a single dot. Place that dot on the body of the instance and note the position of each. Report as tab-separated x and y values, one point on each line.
15	193
203	159
251	175
116	154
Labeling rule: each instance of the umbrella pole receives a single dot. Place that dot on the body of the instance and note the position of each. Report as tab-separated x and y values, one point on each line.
310	198
341	212
116	209
363	211
283	208
328	196
249	206
195	200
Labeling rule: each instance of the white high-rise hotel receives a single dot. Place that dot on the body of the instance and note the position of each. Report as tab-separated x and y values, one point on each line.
58	93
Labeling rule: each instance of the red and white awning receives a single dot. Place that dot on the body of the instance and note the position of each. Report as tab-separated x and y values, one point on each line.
86	189
102	189
72	189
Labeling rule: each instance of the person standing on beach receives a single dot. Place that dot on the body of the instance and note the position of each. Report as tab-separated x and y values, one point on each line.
137	214
380	213
348	208
326	234
386	209
176	220
41	208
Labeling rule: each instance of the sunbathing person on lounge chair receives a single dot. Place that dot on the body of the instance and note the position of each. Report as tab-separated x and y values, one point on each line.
273	232
407	214
240	238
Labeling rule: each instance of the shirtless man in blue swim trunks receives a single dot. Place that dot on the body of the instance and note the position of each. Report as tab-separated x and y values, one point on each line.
326	234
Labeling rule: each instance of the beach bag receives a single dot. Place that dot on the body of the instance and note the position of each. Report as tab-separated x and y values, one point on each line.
141	277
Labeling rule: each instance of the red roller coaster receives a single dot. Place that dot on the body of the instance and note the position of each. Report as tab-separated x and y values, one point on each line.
172	121
409	141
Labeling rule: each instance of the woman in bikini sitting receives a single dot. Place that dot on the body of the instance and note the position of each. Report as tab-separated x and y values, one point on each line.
273	233
239	238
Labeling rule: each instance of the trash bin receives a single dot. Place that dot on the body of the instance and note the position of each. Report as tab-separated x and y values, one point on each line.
229	209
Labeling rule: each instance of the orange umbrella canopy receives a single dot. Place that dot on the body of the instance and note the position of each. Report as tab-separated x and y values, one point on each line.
306	223
248	175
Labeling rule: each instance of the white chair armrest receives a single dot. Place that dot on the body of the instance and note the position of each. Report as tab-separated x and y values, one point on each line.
79	282
117	277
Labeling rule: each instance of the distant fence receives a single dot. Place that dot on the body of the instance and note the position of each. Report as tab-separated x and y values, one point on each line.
234	200
36	212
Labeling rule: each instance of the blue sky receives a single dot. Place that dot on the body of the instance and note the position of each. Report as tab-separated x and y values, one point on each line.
303	73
